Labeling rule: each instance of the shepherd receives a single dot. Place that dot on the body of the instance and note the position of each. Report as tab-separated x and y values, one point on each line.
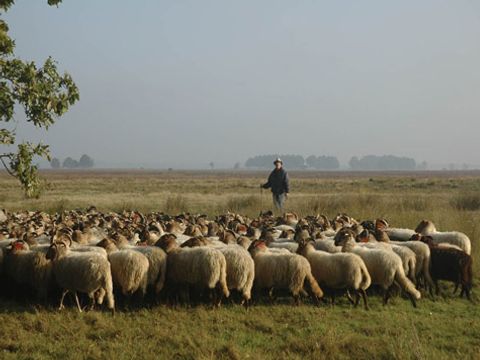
278	183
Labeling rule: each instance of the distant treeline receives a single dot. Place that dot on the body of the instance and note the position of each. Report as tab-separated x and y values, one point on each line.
294	162
369	162
85	162
384	162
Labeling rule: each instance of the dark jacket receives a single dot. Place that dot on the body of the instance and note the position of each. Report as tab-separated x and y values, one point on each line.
277	181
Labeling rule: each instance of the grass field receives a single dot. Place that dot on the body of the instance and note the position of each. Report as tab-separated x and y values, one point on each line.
442	329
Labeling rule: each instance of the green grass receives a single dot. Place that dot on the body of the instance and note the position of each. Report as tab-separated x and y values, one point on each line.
443	329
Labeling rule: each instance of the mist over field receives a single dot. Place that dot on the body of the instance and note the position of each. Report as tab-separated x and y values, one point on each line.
182	84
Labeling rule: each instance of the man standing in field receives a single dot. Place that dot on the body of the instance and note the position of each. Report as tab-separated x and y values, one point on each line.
278	182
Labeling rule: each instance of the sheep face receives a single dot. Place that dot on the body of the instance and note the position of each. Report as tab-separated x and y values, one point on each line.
56	251
301	233
343	236
257	246
167	243
381	224
305	246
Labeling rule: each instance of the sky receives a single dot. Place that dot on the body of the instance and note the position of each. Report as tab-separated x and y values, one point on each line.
181	83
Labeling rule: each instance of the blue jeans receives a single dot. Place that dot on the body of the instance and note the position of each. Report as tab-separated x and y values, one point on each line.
279	201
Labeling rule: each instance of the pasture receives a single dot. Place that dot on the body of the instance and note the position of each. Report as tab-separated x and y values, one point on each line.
446	328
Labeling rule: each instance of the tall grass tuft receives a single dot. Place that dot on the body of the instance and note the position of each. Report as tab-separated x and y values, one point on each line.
466	201
176	204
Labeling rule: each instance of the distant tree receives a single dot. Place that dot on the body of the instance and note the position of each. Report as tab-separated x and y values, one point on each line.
311	161
422	166
354	163
86	162
212	165
55	163
236	166
384	162
70	163
41	92
266	161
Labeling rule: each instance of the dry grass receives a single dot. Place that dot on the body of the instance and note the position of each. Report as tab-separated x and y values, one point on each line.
446	328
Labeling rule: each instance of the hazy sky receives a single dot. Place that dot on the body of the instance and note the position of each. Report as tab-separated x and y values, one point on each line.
182	83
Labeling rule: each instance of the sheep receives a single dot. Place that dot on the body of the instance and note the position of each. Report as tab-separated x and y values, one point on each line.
129	269
337	271
288	245
157	260
407	256
89	273
397	234
29	267
451	265
240	267
199	266
427	227
327	245
282	271
422	261
385	267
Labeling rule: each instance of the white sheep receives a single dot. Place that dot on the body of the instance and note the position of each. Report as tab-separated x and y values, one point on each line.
87	272
422	255
28	267
157	259
282	271
240	265
129	268
200	266
459	239
385	267
407	256
338	270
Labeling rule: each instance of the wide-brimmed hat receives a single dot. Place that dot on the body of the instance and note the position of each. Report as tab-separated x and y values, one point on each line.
278	160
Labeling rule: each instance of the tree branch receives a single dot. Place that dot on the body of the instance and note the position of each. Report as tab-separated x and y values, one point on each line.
5	165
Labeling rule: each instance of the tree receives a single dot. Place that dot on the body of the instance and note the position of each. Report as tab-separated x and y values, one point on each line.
42	93
70	163
212	165
86	162
55	163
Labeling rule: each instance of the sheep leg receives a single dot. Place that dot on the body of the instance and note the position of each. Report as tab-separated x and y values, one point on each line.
456	288
332	298
270	296
296	298
364	296
61	307
78	302
437	289
357	298
412	300
386	295
349	297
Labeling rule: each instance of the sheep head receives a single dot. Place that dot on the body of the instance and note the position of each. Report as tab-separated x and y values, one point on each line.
302	233
381	236
167	243
343	236
427	240
425	227
195	242
363	237
381	224
257	246
304	246
108	245
57	250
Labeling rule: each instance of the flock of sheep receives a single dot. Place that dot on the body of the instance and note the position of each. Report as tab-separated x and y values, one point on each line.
133	257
